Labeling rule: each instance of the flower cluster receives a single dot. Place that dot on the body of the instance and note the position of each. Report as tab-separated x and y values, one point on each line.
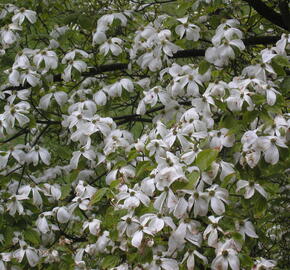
161	162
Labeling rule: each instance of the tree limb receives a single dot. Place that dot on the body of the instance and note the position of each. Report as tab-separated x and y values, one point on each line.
268	13
285	13
264	40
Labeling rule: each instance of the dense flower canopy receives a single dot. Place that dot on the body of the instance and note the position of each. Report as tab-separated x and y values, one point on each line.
144	134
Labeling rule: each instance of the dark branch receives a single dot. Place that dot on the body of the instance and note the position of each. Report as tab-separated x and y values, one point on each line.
261	40
265	40
285	12
268	13
18	134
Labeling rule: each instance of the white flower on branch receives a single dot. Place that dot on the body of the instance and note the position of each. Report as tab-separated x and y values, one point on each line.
250	187
190	30
22	14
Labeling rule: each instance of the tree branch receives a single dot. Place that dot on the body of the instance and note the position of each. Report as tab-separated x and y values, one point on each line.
268	13
264	40
18	134
285	13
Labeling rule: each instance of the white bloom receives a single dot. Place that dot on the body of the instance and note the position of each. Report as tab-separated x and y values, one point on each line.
212	230
190	30
94	226
38	152
245	227
63	215
48	57
9	35
60	98
250	187
23	13
113	45
30	254
218	196
264	264
226	256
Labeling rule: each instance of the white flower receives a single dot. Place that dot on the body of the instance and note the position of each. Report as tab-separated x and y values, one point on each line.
42	224
113	45
14	205
85	152
79	65
161	263
17	112
190	259
25	190
250	188
190	30
157	222
221	138
199	201
264	264
269	144
30	254
213	229
9	35
23	13
128	225
59	31
84	190
245	227
138	235
30	76
218	196
116	88
60	98
35	153
132	197
167	176
48	57
63	215
225	256
99	37
100	98
94	226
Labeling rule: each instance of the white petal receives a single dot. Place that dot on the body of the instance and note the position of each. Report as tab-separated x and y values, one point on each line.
44	155
32	257
212	239
60	97
272	155
156	225
137	239
217	206
63	216
250	230
234	262
44	101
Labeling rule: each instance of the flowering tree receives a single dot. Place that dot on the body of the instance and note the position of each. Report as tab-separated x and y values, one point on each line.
144	134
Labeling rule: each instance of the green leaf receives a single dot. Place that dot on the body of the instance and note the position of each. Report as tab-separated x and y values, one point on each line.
32	236
246	261
260	206
132	154
65	191
205	158
203	67
281	61
189	185
278	69
285	85
110	261
143	168
238	237
99	195
85	21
